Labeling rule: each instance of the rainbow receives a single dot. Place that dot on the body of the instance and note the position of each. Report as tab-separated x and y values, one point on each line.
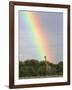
38	37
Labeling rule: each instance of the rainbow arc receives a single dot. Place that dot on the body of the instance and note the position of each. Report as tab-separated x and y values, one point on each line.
35	30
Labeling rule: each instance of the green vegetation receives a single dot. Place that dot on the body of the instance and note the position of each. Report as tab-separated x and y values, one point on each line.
34	68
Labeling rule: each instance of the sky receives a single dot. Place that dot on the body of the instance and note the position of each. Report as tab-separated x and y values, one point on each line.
40	34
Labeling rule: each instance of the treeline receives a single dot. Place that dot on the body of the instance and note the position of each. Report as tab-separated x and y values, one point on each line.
35	68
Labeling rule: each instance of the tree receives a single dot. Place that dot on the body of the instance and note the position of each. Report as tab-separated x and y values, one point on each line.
32	67
60	68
